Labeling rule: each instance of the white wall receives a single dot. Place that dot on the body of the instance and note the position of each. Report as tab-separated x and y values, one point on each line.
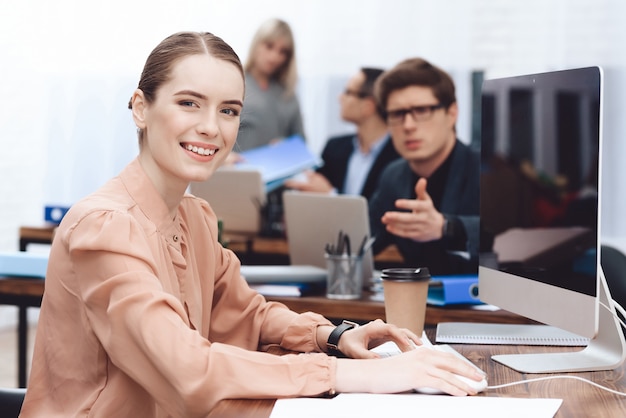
68	68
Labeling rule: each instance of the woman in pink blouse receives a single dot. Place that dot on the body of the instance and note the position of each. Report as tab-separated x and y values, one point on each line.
146	315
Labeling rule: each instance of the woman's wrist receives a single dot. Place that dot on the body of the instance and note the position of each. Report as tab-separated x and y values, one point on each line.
321	337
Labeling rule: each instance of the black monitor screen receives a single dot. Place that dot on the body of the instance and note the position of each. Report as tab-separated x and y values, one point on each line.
540	180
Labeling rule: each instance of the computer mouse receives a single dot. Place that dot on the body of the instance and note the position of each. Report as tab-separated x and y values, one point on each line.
478	386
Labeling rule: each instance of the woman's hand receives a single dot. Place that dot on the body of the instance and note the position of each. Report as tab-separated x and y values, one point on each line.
417	368
357	342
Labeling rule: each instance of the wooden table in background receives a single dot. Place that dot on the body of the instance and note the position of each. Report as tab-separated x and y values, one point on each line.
261	249
36	235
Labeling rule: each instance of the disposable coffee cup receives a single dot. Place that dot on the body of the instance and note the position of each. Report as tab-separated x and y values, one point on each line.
345	276
405	292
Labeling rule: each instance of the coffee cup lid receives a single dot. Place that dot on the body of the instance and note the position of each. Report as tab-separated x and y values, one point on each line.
406	274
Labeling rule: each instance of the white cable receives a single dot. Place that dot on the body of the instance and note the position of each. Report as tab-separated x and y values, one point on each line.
619	308
539	379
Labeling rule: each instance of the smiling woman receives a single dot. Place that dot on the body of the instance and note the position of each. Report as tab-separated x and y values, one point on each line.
146	314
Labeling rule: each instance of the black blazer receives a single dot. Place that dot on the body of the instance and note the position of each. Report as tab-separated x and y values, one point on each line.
336	154
461	198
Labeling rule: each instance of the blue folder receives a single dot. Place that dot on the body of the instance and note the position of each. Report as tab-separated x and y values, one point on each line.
279	161
453	290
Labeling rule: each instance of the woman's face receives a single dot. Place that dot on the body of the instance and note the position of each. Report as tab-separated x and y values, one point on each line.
271	55
192	125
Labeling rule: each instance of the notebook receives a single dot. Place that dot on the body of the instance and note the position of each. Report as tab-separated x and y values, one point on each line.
236	196
313	219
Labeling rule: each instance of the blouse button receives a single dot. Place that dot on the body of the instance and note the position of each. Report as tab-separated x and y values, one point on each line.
175	238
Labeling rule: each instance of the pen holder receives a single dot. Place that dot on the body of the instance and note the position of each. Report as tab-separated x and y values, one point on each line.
345	276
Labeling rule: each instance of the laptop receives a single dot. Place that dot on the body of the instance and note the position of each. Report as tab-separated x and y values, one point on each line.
313	220
236	196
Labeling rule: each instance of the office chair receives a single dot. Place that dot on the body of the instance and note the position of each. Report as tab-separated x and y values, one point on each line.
613	263
11	401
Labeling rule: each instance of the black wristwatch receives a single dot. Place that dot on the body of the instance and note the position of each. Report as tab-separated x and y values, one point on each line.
448	230
333	339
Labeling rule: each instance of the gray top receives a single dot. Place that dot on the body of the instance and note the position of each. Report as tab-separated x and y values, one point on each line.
267	114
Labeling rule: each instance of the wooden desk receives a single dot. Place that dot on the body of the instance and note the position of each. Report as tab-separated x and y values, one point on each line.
580	400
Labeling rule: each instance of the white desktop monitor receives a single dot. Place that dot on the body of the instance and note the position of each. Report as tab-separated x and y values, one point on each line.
539	212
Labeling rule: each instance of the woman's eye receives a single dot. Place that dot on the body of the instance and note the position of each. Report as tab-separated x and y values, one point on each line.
187	103
231	111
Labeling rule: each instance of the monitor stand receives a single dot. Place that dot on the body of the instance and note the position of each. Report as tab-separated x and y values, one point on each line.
606	351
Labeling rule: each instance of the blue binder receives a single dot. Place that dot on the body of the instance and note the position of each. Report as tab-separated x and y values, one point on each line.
453	290
54	214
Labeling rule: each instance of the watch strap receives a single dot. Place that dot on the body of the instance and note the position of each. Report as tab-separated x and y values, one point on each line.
333	339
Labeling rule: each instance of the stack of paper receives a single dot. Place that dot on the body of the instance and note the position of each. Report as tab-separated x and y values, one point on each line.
412	405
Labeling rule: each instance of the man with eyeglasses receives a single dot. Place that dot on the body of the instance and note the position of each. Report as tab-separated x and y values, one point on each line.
352	163
427	202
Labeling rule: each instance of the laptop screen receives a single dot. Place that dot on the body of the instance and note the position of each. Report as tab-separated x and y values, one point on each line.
313	220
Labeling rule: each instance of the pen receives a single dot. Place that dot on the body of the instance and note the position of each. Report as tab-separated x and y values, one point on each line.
339	248
366	245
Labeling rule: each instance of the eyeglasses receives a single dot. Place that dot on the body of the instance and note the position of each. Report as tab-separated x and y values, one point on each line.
359	94
419	113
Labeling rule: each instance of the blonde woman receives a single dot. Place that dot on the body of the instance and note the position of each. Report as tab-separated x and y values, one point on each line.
271	108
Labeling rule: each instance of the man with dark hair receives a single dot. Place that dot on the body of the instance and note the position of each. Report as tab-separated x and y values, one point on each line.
427	202
352	163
